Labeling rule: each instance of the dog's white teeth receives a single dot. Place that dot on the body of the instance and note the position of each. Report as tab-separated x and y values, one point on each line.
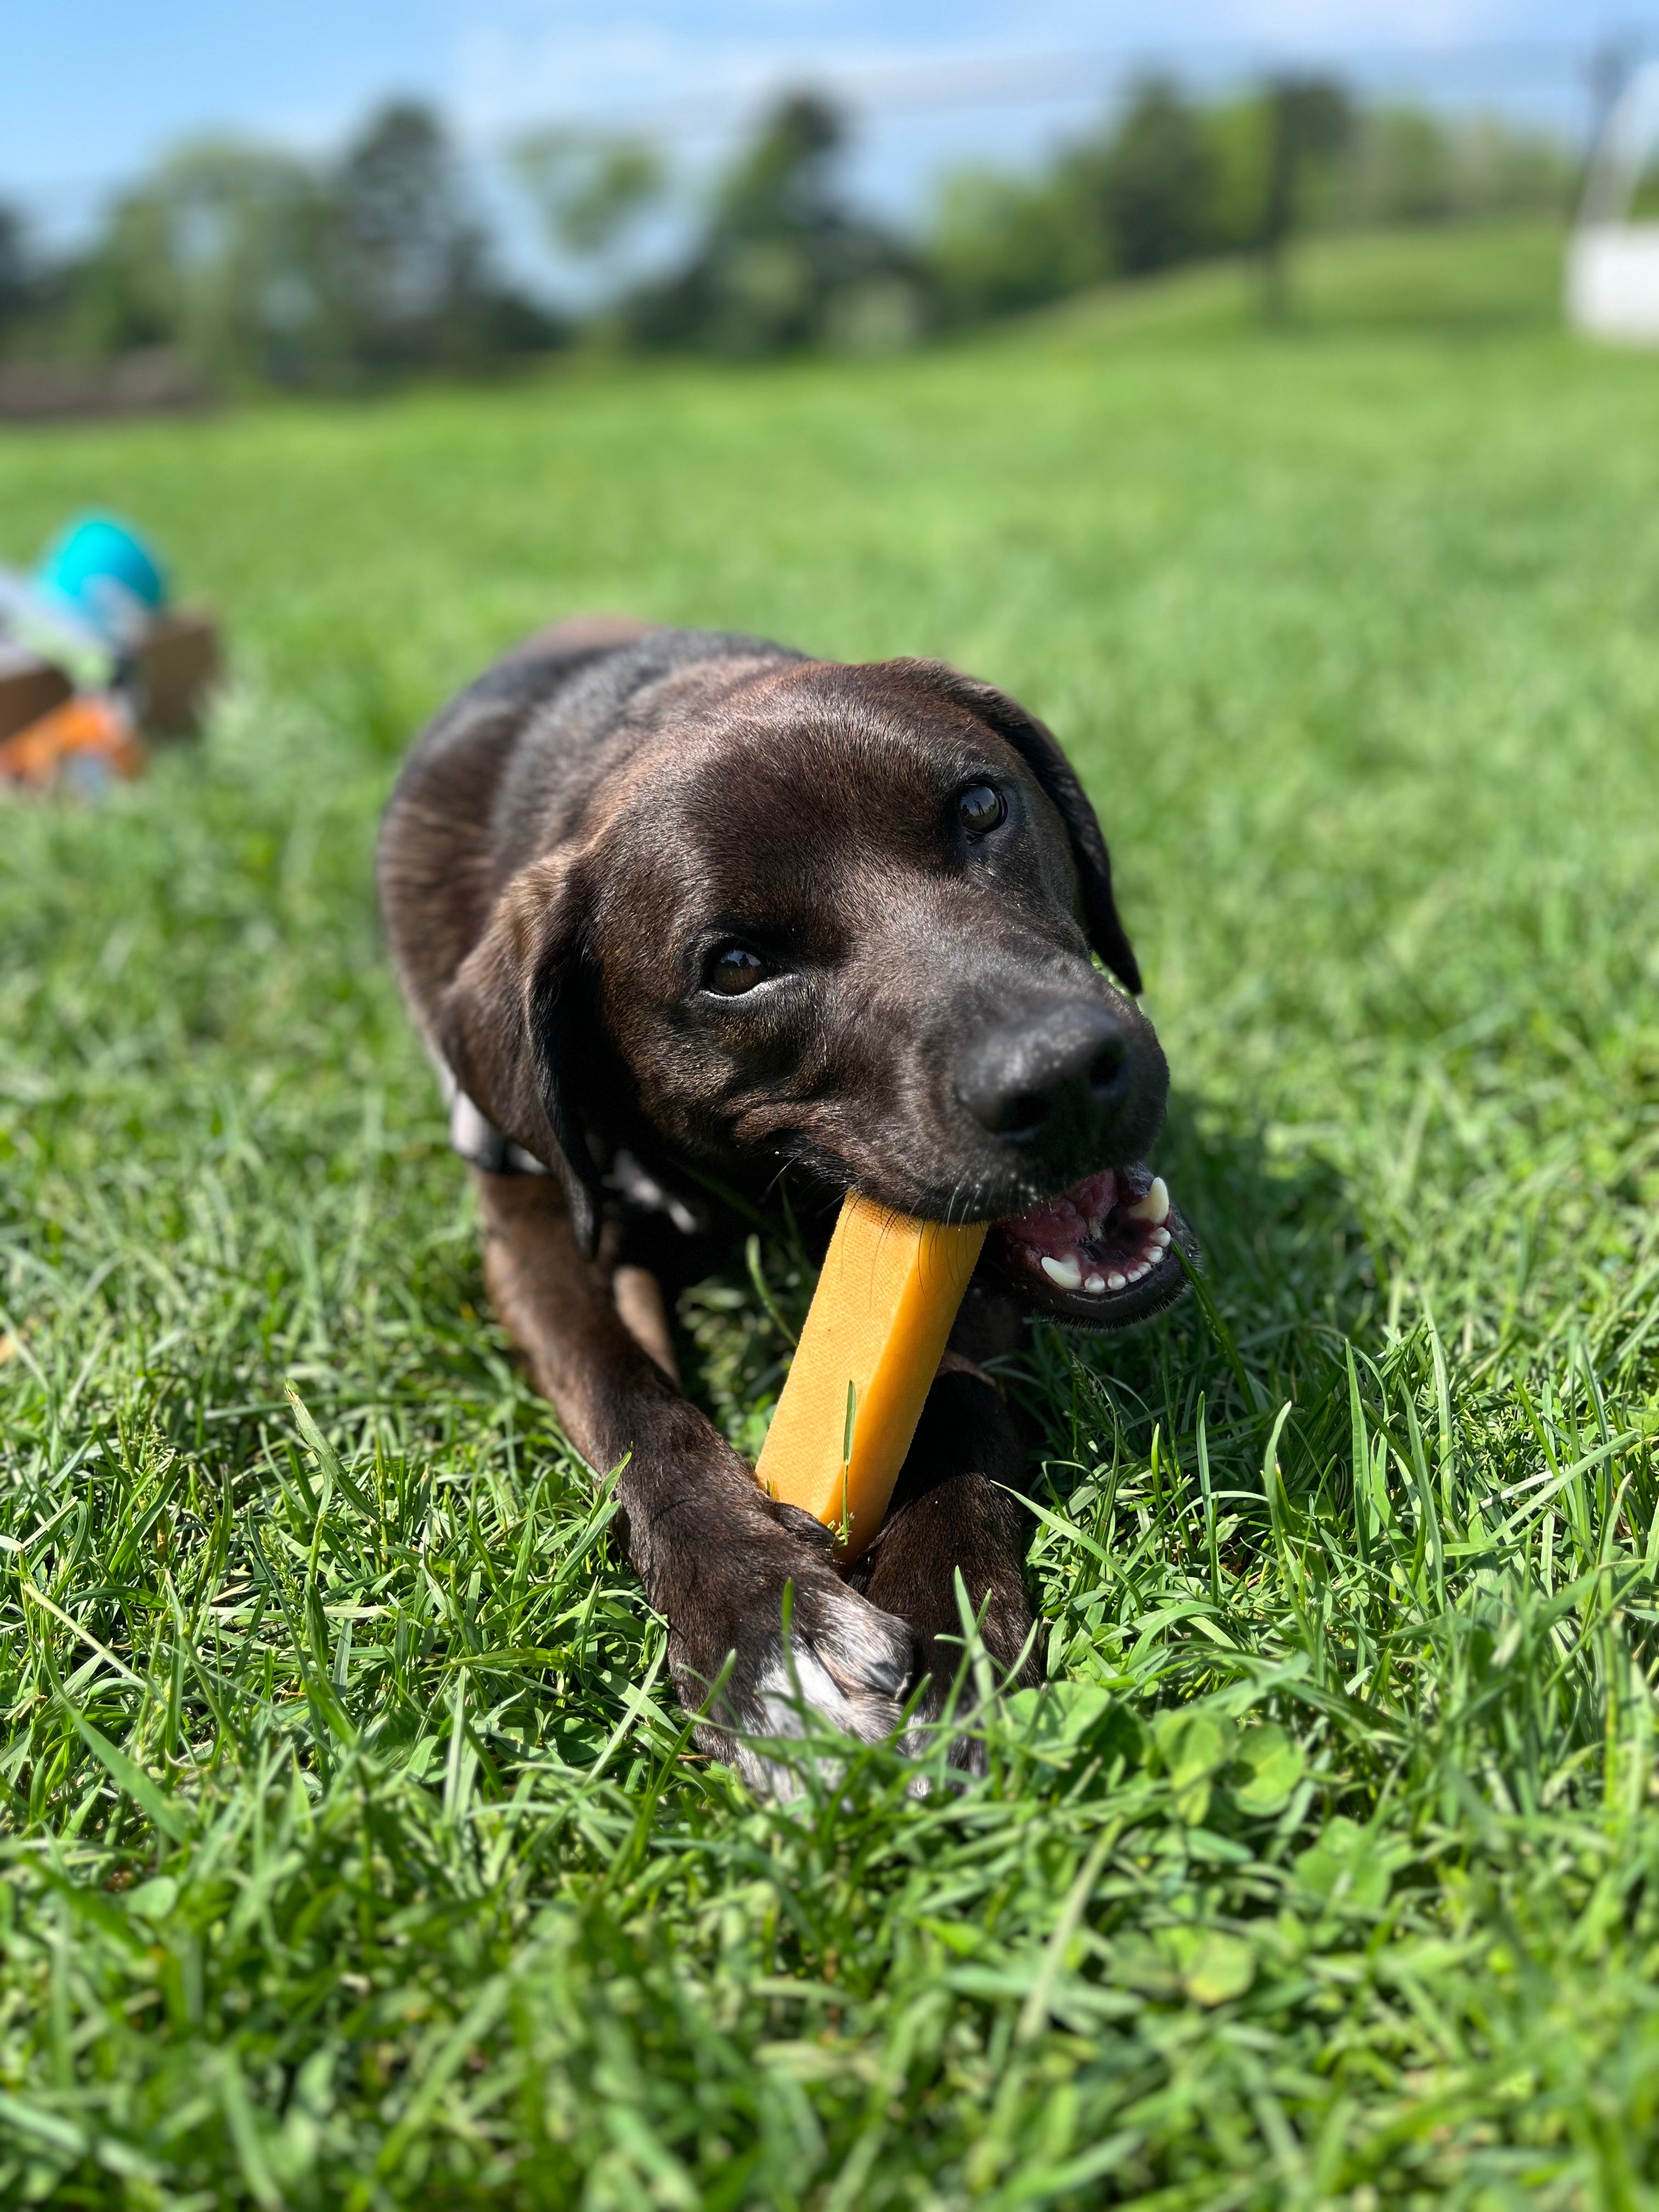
1115	1282
1095	1286
1161	1238
1065	1273
1155	1206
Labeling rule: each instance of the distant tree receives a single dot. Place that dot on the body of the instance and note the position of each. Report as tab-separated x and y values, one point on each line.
1500	170
785	186
413	260
589	189
223	252
1000	243
1237	136
264	269
1151	181
1169	179
1403	165
1139	196
18	271
784	262
414	270
1309	120
1409	166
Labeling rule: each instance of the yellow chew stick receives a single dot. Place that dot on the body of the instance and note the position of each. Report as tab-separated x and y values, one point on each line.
878	1319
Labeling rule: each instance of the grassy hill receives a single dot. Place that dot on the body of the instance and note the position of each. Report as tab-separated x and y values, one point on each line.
352	1853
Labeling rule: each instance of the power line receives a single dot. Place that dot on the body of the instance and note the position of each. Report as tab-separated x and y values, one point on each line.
1009	80
1081	74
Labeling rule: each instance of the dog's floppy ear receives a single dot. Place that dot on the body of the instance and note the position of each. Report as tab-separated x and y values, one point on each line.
1040	749
507	1026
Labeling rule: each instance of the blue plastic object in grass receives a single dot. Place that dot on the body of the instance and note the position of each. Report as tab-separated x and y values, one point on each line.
102	574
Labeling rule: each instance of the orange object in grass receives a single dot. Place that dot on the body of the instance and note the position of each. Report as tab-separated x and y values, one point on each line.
867	1359
88	736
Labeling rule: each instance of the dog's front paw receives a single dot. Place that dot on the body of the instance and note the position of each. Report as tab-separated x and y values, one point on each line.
948	1564
794	1645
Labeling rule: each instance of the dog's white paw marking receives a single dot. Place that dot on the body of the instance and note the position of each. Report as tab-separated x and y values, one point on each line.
849	1667
782	1690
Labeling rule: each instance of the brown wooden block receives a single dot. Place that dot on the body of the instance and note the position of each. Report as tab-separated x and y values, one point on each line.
29	687
179	664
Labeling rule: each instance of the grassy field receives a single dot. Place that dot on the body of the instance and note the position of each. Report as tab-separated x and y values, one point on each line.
352	1852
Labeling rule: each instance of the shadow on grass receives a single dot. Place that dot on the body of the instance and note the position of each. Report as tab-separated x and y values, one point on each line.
1288	1281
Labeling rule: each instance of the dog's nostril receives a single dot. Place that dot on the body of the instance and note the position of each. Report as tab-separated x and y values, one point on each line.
1022	1116
1106	1066
1047	1079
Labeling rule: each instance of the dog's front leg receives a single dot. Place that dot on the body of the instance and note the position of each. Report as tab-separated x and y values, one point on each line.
715	1555
954	1512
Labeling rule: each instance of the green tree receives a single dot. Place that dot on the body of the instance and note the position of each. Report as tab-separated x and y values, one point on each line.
266	269
1238	137
17	270
589	189
1171	179
1409	167
1309	120
1150	182
784	262
222	251
999	243
1139	196
413	260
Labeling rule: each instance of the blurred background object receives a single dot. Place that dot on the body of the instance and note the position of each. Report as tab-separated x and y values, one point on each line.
1613	264
90	649
782	199
80	746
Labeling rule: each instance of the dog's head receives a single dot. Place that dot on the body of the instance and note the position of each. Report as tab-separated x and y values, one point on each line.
843	917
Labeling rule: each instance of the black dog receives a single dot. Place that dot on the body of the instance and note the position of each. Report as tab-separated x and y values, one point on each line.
665	900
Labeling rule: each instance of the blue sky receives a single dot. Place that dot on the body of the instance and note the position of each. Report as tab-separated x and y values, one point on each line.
90	91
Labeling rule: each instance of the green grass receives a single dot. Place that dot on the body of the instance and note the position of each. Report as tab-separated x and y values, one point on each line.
352	1854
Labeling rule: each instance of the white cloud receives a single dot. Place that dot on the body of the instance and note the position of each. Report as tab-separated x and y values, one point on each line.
508	73
707	64
1337	23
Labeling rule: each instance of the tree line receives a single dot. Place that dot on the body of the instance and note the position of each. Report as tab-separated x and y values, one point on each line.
264	269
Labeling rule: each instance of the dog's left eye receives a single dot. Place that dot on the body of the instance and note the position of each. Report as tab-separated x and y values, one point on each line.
981	808
733	968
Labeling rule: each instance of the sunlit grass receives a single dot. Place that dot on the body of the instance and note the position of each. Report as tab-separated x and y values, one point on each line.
353	1849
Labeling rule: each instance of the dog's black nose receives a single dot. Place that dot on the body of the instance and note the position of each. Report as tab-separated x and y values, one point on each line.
1048	1078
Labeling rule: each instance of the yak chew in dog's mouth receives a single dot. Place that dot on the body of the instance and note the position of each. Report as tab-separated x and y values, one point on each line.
1102	1252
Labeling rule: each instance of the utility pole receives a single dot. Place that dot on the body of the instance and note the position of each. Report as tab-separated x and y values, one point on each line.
1307	116
1612	65
1279	201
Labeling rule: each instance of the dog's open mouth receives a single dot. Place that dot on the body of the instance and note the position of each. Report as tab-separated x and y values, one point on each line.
1104	1253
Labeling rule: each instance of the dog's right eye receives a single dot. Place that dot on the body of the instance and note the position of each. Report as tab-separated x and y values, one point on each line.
981	808
730	970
